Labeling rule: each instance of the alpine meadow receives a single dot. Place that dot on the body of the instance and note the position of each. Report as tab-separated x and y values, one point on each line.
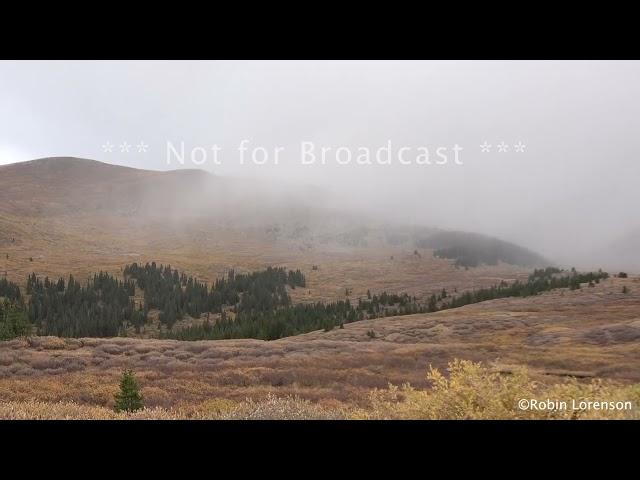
244	277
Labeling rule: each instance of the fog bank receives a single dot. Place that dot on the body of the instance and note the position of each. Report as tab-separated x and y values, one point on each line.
544	154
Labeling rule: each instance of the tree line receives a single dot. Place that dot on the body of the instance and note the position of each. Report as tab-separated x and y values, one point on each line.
539	281
102	308
252	305
105	307
13	319
472	249
294	320
10	291
176	294
271	322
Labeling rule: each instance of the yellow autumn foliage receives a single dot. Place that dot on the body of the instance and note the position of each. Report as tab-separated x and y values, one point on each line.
474	391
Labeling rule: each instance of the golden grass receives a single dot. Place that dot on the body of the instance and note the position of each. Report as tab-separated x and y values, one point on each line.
271	408
81	243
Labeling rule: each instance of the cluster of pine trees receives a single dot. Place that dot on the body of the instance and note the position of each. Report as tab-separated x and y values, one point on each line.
472	249
167	290
463	257
176	294
273	324
539	281
273	321
10	291
67	309
389	304
13	320
546	272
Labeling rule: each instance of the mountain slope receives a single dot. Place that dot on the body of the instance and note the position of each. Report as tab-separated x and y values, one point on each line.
472	249
62	216
63	186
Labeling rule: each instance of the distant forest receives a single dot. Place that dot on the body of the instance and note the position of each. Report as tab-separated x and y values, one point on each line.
252	305
175	294
472	250
68	309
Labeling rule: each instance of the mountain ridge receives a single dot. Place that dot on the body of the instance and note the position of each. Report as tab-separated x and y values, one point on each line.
61	215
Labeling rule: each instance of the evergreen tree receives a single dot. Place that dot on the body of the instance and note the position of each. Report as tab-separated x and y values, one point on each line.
99	309
13	321
128	399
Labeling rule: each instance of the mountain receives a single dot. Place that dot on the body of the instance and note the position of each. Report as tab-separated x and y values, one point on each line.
63	186
75	187
61	216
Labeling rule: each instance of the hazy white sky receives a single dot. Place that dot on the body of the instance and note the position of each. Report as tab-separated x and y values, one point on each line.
574	187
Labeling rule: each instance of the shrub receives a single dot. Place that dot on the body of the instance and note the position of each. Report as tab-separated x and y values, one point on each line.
36	410
474	391
282	408
216	407
271	408
623	275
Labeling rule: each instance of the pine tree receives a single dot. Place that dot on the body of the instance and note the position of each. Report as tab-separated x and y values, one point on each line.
128	399
13	321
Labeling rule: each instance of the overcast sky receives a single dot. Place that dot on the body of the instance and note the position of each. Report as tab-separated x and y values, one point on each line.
573	185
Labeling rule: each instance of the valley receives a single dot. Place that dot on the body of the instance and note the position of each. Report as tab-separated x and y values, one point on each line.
62	217
587	333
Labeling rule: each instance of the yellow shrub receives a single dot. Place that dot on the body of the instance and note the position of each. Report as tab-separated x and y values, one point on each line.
473	391
217	406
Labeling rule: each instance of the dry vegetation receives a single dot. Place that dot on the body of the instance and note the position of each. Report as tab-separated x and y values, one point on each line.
587	334
56	223
473	391
270	408
469	391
